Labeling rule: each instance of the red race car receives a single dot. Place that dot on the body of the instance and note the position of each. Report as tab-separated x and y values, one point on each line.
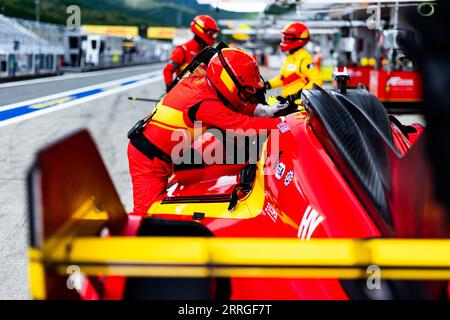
342	169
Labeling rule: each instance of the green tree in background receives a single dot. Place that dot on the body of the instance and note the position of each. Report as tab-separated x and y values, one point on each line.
117	12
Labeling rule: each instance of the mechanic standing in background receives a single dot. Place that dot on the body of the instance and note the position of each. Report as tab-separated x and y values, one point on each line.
299	70
205	31
318	57
226	97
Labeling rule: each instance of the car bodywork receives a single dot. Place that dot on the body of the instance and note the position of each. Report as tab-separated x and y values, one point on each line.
342	169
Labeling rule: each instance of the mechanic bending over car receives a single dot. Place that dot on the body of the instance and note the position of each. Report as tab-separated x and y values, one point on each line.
205	31
226	97
299	70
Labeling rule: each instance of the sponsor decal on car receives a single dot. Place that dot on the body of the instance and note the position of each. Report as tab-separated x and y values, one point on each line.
279	173
289	178
310	221
284	127
271	212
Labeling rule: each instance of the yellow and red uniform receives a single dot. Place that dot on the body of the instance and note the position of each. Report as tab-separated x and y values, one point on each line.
298	72
205	30
180	59
193	99
318	60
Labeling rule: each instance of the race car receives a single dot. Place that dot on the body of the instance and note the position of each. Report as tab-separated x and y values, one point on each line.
341	169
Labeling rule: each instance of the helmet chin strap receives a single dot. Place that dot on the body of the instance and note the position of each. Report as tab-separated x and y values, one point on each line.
296	49
200	41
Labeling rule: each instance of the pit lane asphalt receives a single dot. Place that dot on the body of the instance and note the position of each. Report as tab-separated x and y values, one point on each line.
108	119
27	90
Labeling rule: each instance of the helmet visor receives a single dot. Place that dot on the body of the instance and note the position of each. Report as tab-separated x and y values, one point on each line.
289	38
246	93
212	33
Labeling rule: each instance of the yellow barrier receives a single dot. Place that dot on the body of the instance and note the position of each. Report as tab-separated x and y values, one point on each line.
280	258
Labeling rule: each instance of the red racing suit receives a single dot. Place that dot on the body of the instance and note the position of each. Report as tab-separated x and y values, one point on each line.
193	99
180	58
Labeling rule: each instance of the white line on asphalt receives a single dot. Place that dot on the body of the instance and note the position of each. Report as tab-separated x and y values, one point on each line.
72	76
79	101
76	91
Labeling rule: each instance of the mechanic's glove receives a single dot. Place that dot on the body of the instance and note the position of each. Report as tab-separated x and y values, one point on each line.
266	111
282	99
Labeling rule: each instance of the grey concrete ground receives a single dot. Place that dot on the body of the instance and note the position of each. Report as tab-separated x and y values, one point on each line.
108	119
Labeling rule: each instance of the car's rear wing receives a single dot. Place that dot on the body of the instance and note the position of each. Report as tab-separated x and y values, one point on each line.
71	192
70	195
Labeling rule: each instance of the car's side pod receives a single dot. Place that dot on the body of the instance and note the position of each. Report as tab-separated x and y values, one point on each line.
395	192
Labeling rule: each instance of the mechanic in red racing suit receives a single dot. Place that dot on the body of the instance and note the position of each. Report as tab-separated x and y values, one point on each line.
205	31
223	98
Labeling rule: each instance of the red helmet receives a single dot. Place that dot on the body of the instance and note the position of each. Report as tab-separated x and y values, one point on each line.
235	74
295	35
206	28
